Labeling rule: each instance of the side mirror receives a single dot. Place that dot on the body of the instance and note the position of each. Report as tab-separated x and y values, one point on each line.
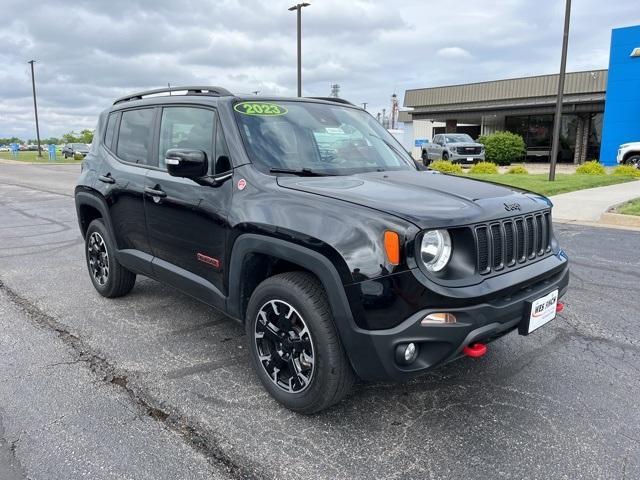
186	163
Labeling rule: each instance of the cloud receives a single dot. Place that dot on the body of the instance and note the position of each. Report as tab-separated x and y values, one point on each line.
453	53
89	52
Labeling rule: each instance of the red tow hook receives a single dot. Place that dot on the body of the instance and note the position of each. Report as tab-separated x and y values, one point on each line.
475	350
559	307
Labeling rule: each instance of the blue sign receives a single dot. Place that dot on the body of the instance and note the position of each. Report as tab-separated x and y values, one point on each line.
15	148
52	152
421	142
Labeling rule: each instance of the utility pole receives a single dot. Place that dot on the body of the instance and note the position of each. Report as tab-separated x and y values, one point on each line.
35	105
557	120
298	8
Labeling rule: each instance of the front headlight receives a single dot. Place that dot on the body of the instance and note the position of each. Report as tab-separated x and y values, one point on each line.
435	250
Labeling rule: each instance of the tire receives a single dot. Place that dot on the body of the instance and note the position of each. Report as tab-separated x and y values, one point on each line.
425	159
319	354
633	160
445	156
109	278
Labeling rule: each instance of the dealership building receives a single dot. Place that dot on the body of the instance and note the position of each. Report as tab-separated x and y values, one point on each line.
600	111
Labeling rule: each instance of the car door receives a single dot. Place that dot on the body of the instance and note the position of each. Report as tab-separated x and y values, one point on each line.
126	146
435	150
187	218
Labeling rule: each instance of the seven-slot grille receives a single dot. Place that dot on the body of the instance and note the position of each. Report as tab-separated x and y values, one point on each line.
512	241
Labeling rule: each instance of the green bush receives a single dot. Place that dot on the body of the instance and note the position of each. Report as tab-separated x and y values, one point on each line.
484	167
503	148
445	166
77	156
518	170
592	167
626	170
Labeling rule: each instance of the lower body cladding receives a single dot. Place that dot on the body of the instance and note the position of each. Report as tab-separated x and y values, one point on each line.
416	345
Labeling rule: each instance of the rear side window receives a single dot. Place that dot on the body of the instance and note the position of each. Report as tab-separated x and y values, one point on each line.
111	128
186	127
134	138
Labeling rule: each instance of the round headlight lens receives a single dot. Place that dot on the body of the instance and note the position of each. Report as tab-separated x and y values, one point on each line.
435	250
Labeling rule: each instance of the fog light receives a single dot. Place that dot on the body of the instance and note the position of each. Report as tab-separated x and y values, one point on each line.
406	353
438	318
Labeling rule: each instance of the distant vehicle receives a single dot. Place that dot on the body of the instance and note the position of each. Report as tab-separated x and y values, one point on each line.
71	149
5	148
457	147
629	154
32	148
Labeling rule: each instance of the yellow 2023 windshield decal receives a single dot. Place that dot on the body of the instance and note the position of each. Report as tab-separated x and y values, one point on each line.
260	108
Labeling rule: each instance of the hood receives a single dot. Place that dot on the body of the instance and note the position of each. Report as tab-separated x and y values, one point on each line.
425	198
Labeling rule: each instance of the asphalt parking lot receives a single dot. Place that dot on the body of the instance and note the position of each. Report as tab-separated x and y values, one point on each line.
156	385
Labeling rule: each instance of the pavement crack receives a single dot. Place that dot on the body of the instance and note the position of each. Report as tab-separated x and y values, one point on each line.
191	433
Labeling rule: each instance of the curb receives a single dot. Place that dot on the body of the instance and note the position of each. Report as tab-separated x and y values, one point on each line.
619	219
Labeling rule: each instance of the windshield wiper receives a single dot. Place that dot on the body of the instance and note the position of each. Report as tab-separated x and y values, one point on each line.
303	172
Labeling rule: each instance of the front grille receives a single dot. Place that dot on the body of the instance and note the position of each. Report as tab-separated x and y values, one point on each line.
512	242
469	150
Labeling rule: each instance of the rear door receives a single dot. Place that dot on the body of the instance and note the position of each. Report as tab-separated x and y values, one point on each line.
186	218
127	152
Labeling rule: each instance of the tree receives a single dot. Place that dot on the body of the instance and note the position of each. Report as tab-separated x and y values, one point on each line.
85	136
503	147
6	141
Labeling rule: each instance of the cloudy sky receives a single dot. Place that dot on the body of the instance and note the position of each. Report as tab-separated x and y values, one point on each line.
89	52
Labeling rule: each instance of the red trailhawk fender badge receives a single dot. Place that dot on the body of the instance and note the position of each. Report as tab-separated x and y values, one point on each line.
242	183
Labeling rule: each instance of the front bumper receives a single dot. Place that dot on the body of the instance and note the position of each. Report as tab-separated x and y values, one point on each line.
466	159
484	322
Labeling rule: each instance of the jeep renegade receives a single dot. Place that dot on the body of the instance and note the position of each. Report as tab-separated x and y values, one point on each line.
304	219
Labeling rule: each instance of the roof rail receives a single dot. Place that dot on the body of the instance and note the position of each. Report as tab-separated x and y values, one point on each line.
212	91
334	100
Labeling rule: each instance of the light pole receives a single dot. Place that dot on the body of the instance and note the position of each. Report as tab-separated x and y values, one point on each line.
557	120
35	105
298	9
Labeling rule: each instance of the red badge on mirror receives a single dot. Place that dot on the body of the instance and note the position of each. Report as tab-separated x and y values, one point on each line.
241	184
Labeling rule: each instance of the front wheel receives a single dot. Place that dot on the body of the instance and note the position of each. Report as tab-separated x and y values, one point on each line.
634	161
445	156
293	344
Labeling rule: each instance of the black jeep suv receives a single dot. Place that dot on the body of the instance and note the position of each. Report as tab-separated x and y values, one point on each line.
306	220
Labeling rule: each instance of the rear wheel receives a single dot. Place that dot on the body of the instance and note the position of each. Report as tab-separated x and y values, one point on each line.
109	278
634	161
293	344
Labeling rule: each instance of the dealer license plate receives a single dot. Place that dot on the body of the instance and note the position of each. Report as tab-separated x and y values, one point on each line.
542	311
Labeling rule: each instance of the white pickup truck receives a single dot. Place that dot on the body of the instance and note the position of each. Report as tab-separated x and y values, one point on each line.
629	154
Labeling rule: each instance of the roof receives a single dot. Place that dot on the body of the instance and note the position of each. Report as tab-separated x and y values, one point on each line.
592	82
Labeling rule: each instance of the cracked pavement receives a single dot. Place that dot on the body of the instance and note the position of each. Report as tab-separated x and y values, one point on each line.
157	385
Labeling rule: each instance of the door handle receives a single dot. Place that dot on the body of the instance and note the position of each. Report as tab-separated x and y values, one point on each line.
106	178
155	192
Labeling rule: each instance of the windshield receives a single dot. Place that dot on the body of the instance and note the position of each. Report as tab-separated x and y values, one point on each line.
325	139
459	138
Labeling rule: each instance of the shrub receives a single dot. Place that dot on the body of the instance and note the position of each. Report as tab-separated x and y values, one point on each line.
592	167
626	170
77	156
503	148
484	167
518	170
445	166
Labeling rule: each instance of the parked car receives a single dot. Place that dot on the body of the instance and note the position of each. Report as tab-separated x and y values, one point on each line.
306	221
629	154
456	147
5	148
71	149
